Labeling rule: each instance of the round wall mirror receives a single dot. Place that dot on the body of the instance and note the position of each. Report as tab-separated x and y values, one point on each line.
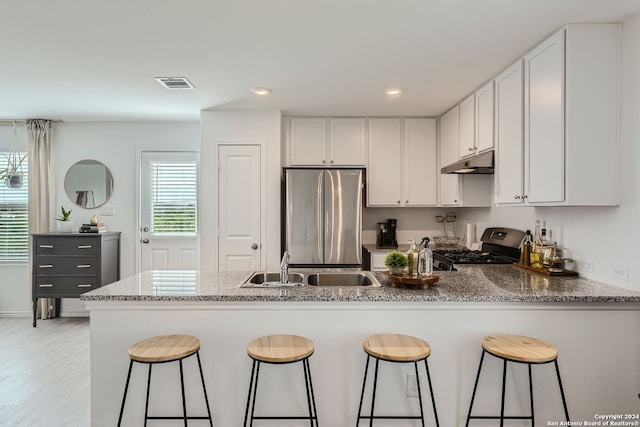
89	184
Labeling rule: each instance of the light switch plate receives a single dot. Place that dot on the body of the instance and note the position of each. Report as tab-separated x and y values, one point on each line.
620	272
108	210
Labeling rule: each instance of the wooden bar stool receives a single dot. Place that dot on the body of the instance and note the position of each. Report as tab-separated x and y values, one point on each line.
517	349
397	349
279	350
164	349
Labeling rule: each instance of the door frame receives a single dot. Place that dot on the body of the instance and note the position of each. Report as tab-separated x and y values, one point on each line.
138	202
213	189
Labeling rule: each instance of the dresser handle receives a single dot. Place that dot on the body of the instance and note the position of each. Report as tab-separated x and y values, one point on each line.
84	266
46	285
85	286
46	266
46	246
85	246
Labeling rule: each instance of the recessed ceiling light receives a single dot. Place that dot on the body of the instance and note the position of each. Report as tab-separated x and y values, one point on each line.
393	91
261	91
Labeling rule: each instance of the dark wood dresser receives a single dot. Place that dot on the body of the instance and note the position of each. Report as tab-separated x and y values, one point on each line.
66	265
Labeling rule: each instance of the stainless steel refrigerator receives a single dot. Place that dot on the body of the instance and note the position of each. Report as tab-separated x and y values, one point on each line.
323	217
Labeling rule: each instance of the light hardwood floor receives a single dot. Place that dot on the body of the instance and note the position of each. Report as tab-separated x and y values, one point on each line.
44	373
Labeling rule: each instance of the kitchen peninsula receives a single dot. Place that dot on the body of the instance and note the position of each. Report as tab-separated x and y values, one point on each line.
587	321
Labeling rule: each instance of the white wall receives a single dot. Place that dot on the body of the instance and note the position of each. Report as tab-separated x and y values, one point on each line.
241	127
114	144
603	236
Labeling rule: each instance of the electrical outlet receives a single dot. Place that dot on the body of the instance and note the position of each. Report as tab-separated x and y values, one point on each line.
412	385
108	210
585	266
620	272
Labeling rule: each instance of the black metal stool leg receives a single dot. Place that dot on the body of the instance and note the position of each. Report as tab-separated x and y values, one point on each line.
504	381
184	399
433	398
204	388
415	365
475	387
531	395
364	383
246	412
146	406
313	397
255	391
124	397
306	385
373	396
564	401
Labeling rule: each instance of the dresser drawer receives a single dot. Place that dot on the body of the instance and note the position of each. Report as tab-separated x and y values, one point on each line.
50	286
59	245
69	266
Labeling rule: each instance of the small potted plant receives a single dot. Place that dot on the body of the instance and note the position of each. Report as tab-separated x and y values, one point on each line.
65	224
12	175
396	262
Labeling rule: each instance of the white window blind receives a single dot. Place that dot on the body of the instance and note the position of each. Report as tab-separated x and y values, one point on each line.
14	217
174	197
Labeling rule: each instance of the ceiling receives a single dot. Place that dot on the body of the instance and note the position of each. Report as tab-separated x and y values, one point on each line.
90	60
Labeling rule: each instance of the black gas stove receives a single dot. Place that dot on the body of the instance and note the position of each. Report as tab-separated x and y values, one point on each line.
499	246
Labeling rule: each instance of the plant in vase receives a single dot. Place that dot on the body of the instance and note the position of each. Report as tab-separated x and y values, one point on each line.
396	262
64	222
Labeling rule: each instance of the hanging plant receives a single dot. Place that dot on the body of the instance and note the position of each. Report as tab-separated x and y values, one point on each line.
12	174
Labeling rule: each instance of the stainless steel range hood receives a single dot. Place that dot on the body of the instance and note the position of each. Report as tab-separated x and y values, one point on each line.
479	164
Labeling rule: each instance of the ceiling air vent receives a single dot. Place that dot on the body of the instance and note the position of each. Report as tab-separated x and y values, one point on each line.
172	83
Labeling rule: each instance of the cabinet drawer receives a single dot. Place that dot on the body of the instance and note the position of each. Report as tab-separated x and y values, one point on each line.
49	286
59	245
70	266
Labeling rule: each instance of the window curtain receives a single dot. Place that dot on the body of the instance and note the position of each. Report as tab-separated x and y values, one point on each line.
41	190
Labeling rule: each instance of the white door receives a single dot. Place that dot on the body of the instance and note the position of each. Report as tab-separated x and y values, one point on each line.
239	207
168	210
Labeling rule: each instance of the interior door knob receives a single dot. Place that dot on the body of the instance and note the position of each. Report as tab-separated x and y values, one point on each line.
145	229
254	246
145	240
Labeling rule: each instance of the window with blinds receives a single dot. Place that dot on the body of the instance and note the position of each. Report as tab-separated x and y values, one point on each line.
14	217
174	197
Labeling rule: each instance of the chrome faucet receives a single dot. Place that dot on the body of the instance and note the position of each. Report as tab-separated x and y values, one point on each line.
284	268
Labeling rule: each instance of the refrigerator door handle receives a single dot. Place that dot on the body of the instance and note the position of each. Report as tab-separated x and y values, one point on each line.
328	220
320	194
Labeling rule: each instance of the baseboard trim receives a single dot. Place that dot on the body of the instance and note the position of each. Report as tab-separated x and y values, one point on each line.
16	314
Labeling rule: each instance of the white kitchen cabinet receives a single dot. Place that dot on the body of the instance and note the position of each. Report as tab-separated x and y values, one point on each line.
402	169
484	118
377	261
467	125
571	138
343	145
384	169
449	140
459	190
509	136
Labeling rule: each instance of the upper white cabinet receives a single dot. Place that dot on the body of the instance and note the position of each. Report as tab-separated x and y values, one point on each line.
402	169
509	105
467	137
343	145
570	146
476	121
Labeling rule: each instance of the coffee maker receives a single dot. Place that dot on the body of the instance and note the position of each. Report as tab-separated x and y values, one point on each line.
386	234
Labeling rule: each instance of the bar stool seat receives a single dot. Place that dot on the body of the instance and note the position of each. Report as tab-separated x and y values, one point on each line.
517	349
280	349
164	349
396	348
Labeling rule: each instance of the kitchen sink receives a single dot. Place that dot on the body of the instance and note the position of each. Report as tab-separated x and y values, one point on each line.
342	279
260	279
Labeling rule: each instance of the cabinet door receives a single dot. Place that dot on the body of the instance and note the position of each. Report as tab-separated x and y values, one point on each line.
420	162
384	177
544	121
347	142
308	142
509	174
484	117
449	140
467	126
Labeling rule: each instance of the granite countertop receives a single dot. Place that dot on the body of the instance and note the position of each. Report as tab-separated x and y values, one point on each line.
473	283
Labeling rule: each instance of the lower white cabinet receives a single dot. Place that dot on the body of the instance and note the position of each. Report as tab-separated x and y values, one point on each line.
402	167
